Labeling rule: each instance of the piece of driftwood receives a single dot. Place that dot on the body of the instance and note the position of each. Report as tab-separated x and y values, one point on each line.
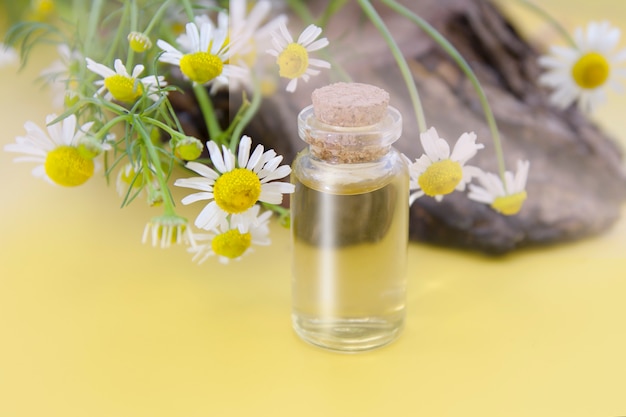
577	182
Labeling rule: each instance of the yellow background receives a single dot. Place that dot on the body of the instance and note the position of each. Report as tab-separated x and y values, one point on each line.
95	324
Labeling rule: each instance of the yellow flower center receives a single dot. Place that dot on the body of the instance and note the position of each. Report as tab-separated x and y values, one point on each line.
231	244
268	87
177	28
123	88
42	9
237	190
66	166
44	6
201	67
293	61
440	178
509	204
591	70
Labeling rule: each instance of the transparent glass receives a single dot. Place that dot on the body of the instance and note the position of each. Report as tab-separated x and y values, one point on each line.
350	233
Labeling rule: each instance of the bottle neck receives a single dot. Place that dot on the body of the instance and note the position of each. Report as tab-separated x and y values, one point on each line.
349	145
338	154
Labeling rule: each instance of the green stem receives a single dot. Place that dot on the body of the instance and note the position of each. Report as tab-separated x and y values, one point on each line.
163	126
156	18
208	113
301	10
255	104
553	22
456	56
188	10
92	24
133	28
100	134
333	7
168	203
121	33
400	60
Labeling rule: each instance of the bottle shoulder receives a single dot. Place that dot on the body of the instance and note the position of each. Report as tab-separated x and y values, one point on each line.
349	178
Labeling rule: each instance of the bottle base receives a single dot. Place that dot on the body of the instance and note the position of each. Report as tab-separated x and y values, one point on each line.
347	334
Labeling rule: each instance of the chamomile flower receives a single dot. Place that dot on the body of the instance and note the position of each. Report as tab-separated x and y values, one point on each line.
506	198
235	185
586	71
230	242
62	75
186	42
249	28
166	230
439	172
57	152
293	57
204	55
8	55
123	86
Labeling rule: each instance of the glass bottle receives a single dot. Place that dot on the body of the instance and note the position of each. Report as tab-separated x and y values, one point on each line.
349	220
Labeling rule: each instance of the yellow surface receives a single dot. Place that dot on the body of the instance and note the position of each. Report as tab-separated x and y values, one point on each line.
93	324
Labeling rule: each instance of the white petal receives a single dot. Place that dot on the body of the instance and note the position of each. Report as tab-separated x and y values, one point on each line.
197	183
435	147
253	163
203	170
210	216
216	156
317	45
120	68
479	194
521	176
465	148
69	128
244	151
137	71
309	34
293	84
415	196
285	33
280	172
99	69
229	159
194	37
319	63
272	193
193	198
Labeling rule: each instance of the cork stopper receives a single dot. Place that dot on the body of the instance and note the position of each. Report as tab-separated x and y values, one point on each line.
349	123
350	104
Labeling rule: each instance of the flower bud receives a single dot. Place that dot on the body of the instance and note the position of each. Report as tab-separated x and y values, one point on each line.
188	148
139	42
